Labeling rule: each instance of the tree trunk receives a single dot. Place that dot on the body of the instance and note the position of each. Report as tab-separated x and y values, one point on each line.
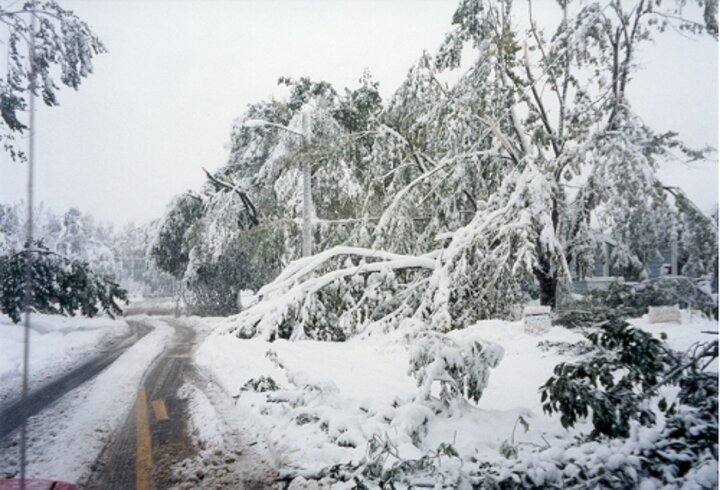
548	284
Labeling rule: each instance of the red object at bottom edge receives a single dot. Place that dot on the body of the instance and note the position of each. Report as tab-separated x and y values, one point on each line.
36	485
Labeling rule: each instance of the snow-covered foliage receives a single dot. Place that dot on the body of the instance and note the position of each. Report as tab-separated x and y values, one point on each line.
63	43
59	285
245	225
11	228
134	268
461	369
633	209
654	413
511	155
344	301
699	243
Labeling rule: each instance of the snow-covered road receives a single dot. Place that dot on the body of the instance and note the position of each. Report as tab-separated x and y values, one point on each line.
14	410
139	415
65	438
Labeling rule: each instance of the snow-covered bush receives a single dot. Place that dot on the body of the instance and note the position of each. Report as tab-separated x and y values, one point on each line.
260	385
680	452
384	467
462	370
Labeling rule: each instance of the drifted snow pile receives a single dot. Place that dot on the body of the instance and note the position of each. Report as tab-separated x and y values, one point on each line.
326	403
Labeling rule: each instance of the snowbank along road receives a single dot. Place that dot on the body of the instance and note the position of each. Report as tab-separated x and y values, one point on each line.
11	413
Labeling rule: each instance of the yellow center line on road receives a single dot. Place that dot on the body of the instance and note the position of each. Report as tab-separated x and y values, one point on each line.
160	410
143	463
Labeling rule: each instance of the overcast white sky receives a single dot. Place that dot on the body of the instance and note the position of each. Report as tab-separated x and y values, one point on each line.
161	103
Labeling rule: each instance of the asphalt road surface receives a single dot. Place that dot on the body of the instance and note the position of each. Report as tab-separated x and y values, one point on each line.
154	435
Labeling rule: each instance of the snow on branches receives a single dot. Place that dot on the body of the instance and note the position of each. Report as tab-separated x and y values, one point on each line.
461	369
522	169
489	265
485	270
332	304
61	40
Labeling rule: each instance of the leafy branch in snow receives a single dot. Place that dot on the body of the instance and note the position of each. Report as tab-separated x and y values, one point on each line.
61	40
681	450
620	383
383	466
612	385
59	285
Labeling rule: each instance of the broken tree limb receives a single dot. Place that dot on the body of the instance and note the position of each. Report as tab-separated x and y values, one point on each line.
228	186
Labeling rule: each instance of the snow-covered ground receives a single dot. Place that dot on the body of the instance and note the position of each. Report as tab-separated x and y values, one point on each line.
65	441
57	343
332	398
680	336
231	452
363	383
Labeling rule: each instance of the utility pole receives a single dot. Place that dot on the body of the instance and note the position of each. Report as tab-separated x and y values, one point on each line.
307	231
307	206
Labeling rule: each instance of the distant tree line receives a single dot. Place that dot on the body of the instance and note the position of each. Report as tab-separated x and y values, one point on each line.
77	263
